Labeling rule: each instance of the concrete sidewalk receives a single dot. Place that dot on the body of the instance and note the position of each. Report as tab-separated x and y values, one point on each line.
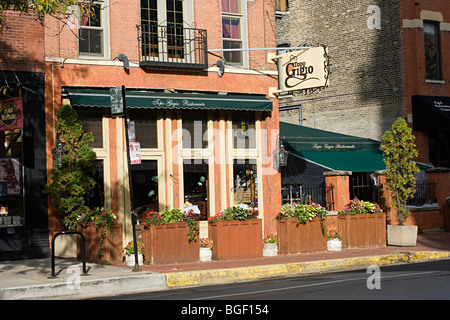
31	279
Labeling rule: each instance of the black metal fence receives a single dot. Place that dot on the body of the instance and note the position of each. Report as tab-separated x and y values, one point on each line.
425	193
302	194
172	46
363	186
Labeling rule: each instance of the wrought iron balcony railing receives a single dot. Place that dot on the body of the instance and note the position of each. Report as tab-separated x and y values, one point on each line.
172	46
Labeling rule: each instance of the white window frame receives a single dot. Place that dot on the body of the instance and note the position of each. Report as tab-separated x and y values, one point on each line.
188	22
244	32
105	40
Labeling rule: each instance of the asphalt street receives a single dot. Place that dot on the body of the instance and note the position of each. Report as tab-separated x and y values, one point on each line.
412	281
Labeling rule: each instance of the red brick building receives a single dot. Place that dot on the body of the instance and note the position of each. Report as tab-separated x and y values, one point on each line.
23	168
206	139
426	72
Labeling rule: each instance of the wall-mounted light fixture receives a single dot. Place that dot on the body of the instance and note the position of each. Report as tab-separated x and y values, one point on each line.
124	59
282	153
57	153
221	66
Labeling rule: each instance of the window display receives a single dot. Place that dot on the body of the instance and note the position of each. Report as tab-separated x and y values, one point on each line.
196	188
11	195
145	185
245	183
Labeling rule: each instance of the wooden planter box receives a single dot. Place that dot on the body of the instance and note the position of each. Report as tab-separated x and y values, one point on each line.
363	230
112	244
296	238
236	239
169	243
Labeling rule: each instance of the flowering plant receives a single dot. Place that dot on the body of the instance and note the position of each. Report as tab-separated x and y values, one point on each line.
206	243
102	218
129	249
303	212
270	238
357	206
234	213
171	216
334	234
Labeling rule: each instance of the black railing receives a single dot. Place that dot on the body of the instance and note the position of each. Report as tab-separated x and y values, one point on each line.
363	186
303	194
425	194
172	46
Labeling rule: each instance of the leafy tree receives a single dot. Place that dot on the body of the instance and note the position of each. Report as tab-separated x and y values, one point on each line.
40	8
398	150
74	178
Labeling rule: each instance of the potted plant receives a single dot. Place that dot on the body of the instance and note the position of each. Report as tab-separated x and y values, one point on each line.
363	225
206	249
398	150
300	228
236	233
130	256
170	237
270	245
97	225
334	240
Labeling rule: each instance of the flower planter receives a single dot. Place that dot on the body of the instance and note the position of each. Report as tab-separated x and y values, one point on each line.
205	254
402	236
131	259
296	238
236	239
169	243
334	245
270	249
112	244
363	230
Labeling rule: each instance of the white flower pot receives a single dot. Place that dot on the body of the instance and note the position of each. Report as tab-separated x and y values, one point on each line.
334	245
131	260
205	254
401	235
270	249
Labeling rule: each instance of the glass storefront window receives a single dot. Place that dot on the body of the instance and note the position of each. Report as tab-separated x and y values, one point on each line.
245	183
195	173
244	130
96	197
11	193
194	129
145	127
92	122
144	178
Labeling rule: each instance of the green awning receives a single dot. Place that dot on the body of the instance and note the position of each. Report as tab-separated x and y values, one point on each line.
355	161
334	151
157	100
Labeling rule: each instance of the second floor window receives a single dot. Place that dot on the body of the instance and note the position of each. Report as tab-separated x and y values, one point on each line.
282	5
92	33
163	17
232	33
432	51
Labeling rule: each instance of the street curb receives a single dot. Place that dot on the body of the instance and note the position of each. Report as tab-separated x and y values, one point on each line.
218	276
87	288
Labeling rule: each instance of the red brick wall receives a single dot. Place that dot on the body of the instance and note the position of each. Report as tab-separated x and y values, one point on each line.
21	43
414	60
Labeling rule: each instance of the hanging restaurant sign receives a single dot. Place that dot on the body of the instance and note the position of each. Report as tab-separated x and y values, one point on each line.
305	69
11	114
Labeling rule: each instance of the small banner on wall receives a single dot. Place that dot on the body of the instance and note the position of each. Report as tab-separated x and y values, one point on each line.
11	114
